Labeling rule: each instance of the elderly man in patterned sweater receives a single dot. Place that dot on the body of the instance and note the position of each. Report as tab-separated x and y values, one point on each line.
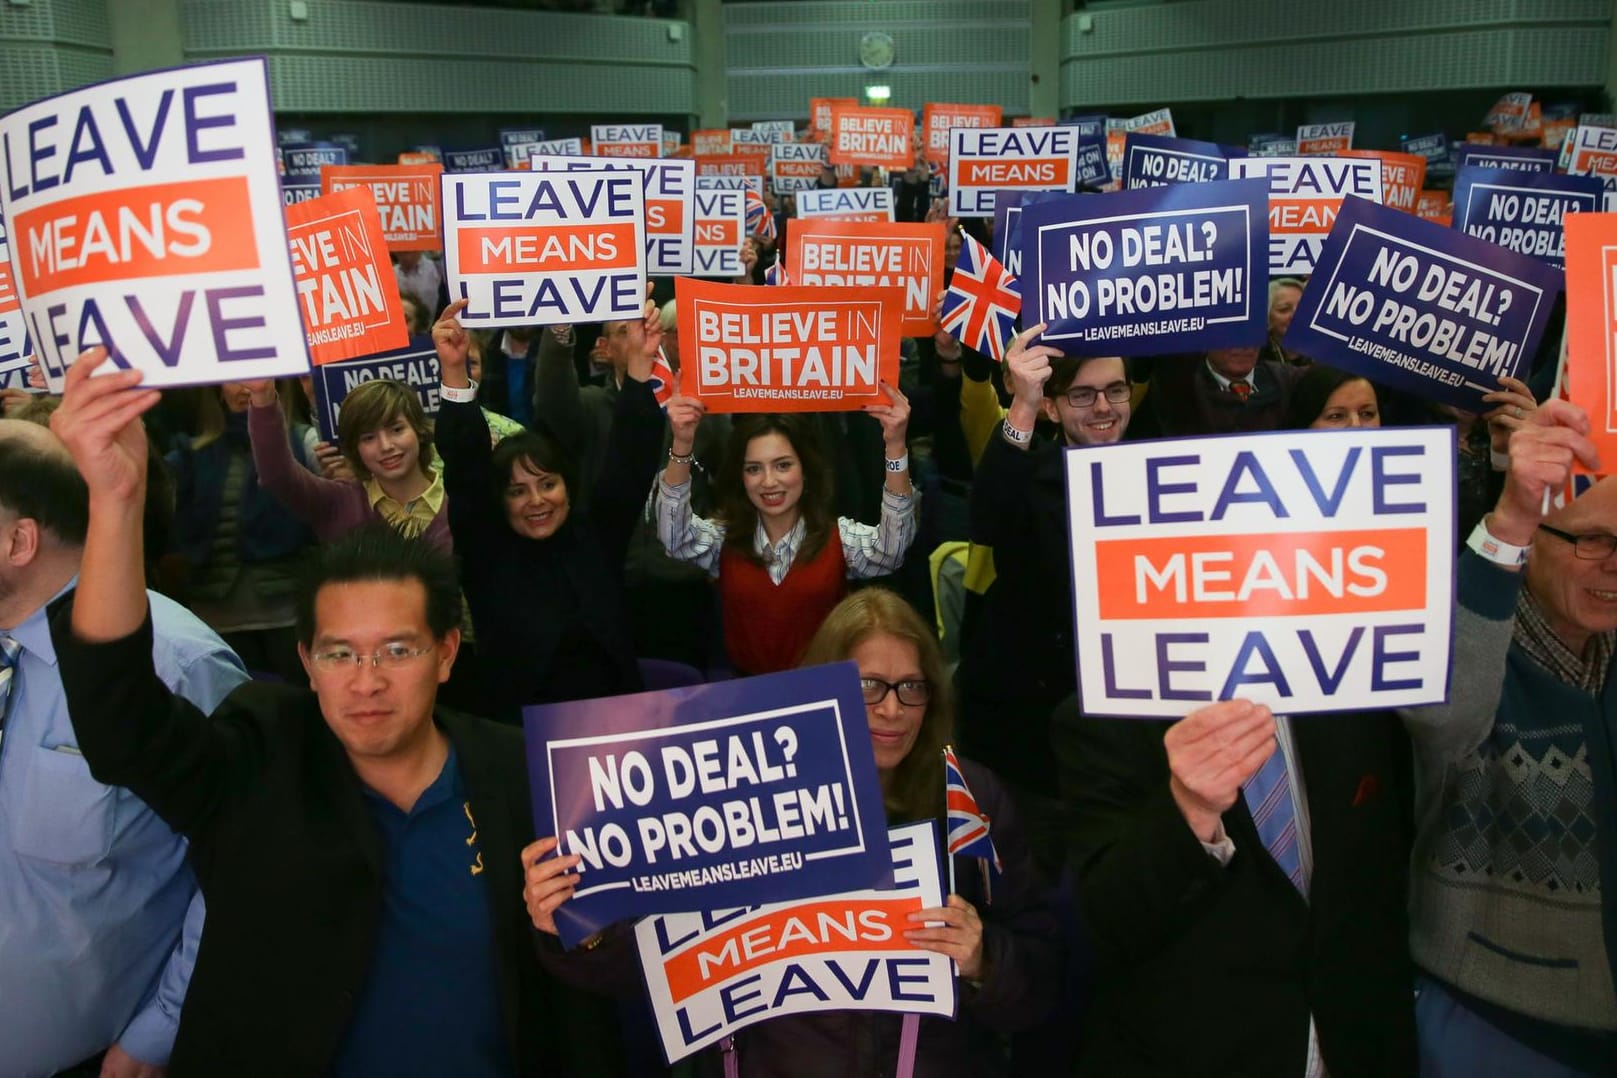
1513	919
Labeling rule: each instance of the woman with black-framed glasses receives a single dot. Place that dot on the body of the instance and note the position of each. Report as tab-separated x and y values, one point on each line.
999	927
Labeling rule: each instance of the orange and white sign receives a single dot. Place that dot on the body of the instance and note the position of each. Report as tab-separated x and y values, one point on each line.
880	138
626	140
796	166
751	142
832	953
541	248
721	225
419	157
145	215
1311	571
712	142
1155	122
864	255
847	204
1435	206
937	120
1033	121
748	349
1591	324
983	162
1314	140
351	304
1305	194
1594	153
14	347
406	199
1402	176
820	114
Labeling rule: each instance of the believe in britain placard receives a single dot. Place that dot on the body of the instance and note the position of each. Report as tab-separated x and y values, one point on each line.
1311	571
740	792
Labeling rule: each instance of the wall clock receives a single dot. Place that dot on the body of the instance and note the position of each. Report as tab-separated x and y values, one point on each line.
876	50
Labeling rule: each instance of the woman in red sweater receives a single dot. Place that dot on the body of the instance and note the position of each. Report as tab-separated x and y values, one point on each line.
781	557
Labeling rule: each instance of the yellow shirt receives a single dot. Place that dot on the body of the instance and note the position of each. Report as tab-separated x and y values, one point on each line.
412	517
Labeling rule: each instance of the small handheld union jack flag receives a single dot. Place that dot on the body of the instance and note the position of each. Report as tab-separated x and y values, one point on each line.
776	275
662	379
760	222
983	300
968	825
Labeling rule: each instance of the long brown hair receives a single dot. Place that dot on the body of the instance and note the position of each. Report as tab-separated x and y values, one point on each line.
916	791
735	510
372	405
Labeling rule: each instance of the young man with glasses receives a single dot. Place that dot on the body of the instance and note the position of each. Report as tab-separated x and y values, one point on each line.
1018	663
357	845
1513	918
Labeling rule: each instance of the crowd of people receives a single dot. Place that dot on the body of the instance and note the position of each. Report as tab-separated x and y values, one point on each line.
262	779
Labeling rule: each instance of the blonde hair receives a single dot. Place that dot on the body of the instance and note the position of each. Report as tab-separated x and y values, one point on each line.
916	791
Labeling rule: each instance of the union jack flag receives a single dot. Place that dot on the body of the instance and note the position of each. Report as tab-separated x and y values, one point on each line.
662	379
760	222
968	826
983	300
776	275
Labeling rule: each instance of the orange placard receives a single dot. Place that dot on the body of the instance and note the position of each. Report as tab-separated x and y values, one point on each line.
782	935
735	164
748	349
1591	324
406	200
1280	574
346	289
877	137
1033	121
626	140
418	157
1435	206
936	120
873	255
1402	176
208	225
820	114
712	142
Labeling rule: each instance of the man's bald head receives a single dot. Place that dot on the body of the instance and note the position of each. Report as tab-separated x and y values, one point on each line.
39	482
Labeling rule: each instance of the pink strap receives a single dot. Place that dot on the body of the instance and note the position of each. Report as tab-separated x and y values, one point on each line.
907	1039
732	1065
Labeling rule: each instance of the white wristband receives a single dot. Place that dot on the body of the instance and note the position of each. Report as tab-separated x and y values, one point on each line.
1496	550
1015	435
458	394
902	464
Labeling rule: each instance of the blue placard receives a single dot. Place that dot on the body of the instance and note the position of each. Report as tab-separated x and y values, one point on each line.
1157	160
293	193
1522	211
488	159
1519	158
1167	269
303	163
416	365
1093	169
1006	243
1411	304
1434	147
1089	127
712	796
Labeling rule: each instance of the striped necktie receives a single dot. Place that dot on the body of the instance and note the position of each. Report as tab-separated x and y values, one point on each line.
1268	798
9	650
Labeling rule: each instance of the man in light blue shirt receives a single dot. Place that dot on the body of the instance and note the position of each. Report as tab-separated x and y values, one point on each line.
94	888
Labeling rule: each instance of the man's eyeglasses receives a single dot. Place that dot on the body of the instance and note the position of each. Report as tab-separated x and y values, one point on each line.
391	657
1084	396
910	693
1595	546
